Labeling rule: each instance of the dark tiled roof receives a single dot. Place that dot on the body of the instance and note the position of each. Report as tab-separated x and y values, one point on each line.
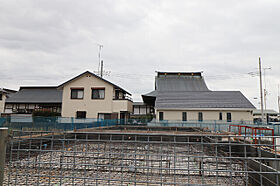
151	94
174	91
36	95
178	83
9	90
3	91
181	83
202	99
88	72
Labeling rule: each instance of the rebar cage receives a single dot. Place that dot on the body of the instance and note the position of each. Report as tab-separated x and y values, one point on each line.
108	157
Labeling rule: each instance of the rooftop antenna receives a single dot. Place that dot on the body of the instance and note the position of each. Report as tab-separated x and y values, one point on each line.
100	46
101	72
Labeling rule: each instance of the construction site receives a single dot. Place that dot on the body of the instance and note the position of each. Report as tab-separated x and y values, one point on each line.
141	155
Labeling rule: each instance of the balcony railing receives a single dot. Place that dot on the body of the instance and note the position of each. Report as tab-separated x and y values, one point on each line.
122	98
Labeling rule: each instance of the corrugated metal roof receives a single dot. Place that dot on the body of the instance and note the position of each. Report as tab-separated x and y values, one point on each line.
36	95
202	99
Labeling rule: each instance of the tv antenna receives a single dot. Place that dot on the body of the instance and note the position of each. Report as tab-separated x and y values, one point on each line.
101	72
100	46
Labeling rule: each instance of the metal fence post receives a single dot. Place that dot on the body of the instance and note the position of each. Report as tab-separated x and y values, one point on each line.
3	138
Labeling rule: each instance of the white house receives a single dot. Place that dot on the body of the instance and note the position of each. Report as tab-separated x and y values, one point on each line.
184	96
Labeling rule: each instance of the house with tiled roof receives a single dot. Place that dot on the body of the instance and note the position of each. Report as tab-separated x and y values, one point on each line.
184	96
84	96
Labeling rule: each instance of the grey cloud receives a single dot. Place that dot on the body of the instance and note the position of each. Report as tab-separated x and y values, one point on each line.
46	42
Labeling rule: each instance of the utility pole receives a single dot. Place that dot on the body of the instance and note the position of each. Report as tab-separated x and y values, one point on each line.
261	89
278	100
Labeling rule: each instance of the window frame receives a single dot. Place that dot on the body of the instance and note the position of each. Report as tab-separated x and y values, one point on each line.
85	112
184	116
77	88
229	117
220	116
97	88
106	116
161	116
200	116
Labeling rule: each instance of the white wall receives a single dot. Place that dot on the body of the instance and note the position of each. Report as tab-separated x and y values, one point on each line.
192	115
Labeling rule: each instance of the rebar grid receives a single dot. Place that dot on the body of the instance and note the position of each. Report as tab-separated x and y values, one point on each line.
102	158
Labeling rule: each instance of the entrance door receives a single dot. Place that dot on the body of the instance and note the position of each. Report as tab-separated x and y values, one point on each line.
123	117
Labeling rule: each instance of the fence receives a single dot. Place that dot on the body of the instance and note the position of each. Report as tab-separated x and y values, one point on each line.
69	124
130	158
217	126
60	123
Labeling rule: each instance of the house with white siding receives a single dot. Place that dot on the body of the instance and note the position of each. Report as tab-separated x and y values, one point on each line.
184	96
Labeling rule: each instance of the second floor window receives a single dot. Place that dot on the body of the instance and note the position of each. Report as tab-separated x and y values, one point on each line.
77	93
98	93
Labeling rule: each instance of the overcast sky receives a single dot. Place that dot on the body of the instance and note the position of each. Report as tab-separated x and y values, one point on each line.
46	42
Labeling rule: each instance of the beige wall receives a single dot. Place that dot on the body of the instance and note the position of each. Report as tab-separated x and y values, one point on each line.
236	115
91	106
122	105
2	103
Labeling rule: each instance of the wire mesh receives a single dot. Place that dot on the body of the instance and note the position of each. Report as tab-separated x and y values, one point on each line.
139	158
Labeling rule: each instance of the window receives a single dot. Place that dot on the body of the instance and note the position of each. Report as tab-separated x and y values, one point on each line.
77	93
1	96
228	117
160	116
98	93
104	116
117	94
81	114
200	116
184	116
220	116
